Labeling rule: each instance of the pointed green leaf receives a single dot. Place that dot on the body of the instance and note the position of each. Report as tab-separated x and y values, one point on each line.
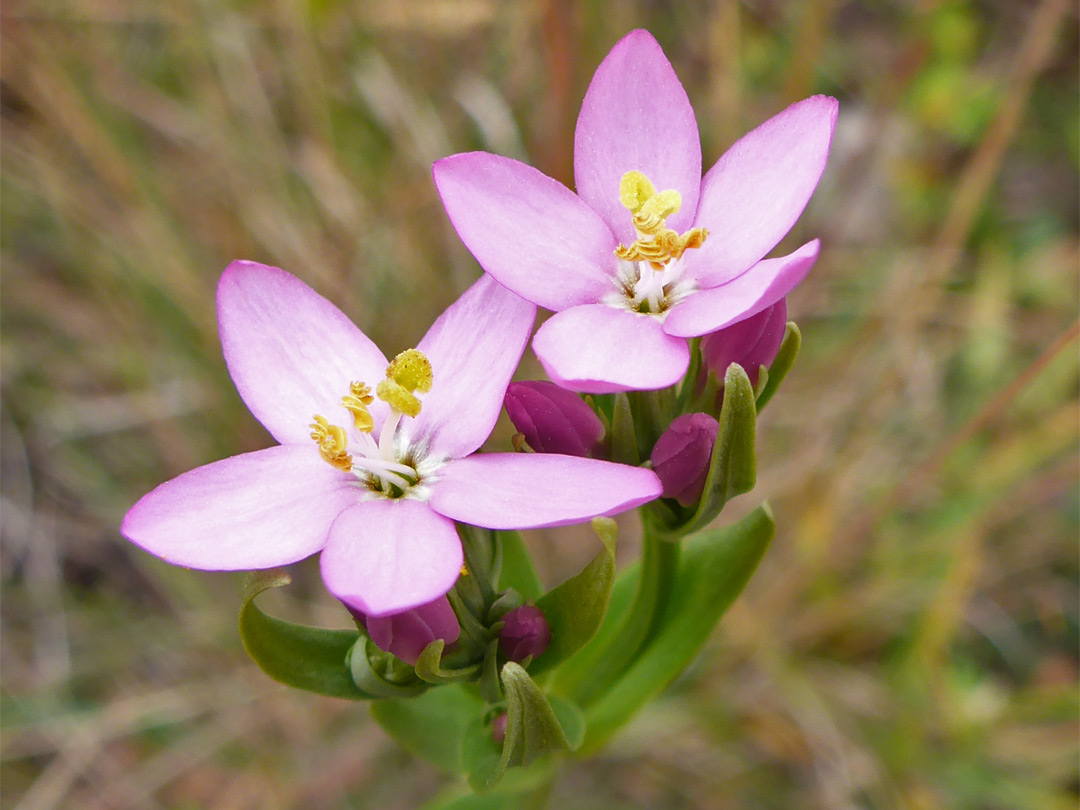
309	658
533	729
429	666
517	570
714	568
432	726
575	608
785	359
733	467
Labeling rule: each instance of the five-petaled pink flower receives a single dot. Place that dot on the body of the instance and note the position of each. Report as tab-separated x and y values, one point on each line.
647	253
376	460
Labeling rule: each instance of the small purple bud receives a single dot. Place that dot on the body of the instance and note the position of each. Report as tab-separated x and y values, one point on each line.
751	343
682	454
406	634
525	632
553	419
498	728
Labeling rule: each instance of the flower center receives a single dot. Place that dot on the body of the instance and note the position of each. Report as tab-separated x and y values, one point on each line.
651	265
378	465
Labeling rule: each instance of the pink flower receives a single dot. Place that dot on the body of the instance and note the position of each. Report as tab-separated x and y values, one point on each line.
647	253
752	343
382	510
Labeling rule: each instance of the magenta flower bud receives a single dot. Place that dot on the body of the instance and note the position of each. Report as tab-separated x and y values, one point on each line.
406	634
751	343
525	632
498	728
553	419
682	454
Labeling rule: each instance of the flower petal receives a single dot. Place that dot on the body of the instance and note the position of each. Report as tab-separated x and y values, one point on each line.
636	116
291	353
528	490
756	191
600	349
532	233
386	556
474	348
256	510
758	288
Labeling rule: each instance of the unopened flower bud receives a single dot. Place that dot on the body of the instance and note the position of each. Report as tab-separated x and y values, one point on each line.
498	728
525	632
553	419
751	343
682	454
406	634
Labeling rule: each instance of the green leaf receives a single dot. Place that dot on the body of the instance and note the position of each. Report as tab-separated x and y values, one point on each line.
517	570
429	666
785	359
456	800
432	726
533	728
733	468
309	658
714	568
380	674
575	608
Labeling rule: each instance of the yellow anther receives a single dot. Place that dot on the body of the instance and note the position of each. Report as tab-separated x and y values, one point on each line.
333	442
411	370
408	372
649	219
634	190
398	397
663	247
356	402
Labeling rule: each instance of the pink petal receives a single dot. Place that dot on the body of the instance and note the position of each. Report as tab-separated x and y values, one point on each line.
600	349
257	510
291	353
758	288
386	556
756	191
530	232
636	116
474	348
527	490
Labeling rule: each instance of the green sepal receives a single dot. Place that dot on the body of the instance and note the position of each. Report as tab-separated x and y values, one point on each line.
432	726
733	467
534	727
623	441
381	674
309	658
714	567
785	359
516	569
575	608
429	666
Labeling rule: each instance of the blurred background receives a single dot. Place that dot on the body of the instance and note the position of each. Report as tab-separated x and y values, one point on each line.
910	640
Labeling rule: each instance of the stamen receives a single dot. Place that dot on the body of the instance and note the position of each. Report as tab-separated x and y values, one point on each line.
333	442
656	243
408	372
356	403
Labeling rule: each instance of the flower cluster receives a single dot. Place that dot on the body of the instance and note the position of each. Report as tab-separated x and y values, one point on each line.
669	327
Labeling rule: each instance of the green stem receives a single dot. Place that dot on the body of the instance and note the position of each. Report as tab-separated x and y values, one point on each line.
659	563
